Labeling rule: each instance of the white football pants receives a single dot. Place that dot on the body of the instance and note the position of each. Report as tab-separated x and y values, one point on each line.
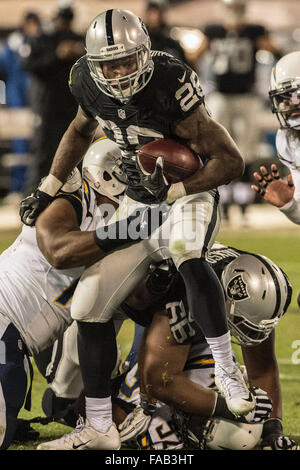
189	232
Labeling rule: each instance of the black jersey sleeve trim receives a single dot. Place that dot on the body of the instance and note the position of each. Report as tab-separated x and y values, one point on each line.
75	200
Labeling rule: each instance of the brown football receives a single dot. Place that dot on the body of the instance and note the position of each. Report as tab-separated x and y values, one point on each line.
180	161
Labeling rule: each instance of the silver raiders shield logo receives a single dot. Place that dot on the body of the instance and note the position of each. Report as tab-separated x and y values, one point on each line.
237	289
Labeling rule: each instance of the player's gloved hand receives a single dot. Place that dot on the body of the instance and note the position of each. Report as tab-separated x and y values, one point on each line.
135	424
130	167
274	439
155	183
272	187
280	443
32	206
262	408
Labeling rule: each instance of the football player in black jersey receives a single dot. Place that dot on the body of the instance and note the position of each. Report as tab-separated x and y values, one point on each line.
136	96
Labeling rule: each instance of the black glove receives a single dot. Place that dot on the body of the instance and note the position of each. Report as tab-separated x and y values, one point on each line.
32	206
274	439
155	183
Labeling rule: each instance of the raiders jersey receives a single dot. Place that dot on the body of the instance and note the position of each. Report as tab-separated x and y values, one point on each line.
172	94
34	296
233	56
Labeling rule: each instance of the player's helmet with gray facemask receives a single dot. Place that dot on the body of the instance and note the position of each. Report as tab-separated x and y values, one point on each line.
113	35
285	91
257	294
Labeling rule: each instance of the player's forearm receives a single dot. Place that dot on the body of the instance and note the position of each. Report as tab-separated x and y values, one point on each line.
209	139
262	370
216	172
269	382
70	151
70	250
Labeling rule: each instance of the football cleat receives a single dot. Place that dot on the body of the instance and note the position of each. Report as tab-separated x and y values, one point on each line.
84	437
231	385
135	424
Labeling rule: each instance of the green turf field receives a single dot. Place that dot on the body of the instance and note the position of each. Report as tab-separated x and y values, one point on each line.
282	246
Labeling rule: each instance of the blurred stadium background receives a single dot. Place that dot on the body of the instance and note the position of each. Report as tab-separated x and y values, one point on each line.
262	229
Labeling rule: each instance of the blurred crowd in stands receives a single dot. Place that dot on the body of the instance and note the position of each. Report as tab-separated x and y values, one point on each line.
233	58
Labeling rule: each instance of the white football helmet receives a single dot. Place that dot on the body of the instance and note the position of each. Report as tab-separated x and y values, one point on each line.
101	167
285	90
222	434
113	35
215	434
257	294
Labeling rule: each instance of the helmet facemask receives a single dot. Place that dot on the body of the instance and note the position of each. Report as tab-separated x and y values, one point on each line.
119	35
245	332
125	87
257	294
286	104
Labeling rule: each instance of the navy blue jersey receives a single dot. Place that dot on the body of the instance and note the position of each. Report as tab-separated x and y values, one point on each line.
233	55
172	94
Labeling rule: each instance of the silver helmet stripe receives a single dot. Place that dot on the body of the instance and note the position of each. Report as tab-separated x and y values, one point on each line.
276	283
109	29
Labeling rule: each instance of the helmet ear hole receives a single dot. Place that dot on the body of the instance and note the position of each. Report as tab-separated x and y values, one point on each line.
106	176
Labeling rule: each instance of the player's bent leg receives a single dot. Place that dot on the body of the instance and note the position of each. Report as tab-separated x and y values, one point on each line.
97	352
105	285
193	229
192	226
13	381
60	367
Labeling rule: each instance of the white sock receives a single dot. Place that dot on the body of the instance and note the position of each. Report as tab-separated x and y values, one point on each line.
99	413
221	350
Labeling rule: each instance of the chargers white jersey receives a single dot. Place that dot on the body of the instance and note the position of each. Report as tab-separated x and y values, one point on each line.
34	296
288	148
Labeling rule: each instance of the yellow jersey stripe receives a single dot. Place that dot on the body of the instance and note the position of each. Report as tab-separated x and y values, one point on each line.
70	194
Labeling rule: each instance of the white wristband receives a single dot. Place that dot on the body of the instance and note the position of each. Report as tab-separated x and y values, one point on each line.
50	185
292	210
288	205
176	191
